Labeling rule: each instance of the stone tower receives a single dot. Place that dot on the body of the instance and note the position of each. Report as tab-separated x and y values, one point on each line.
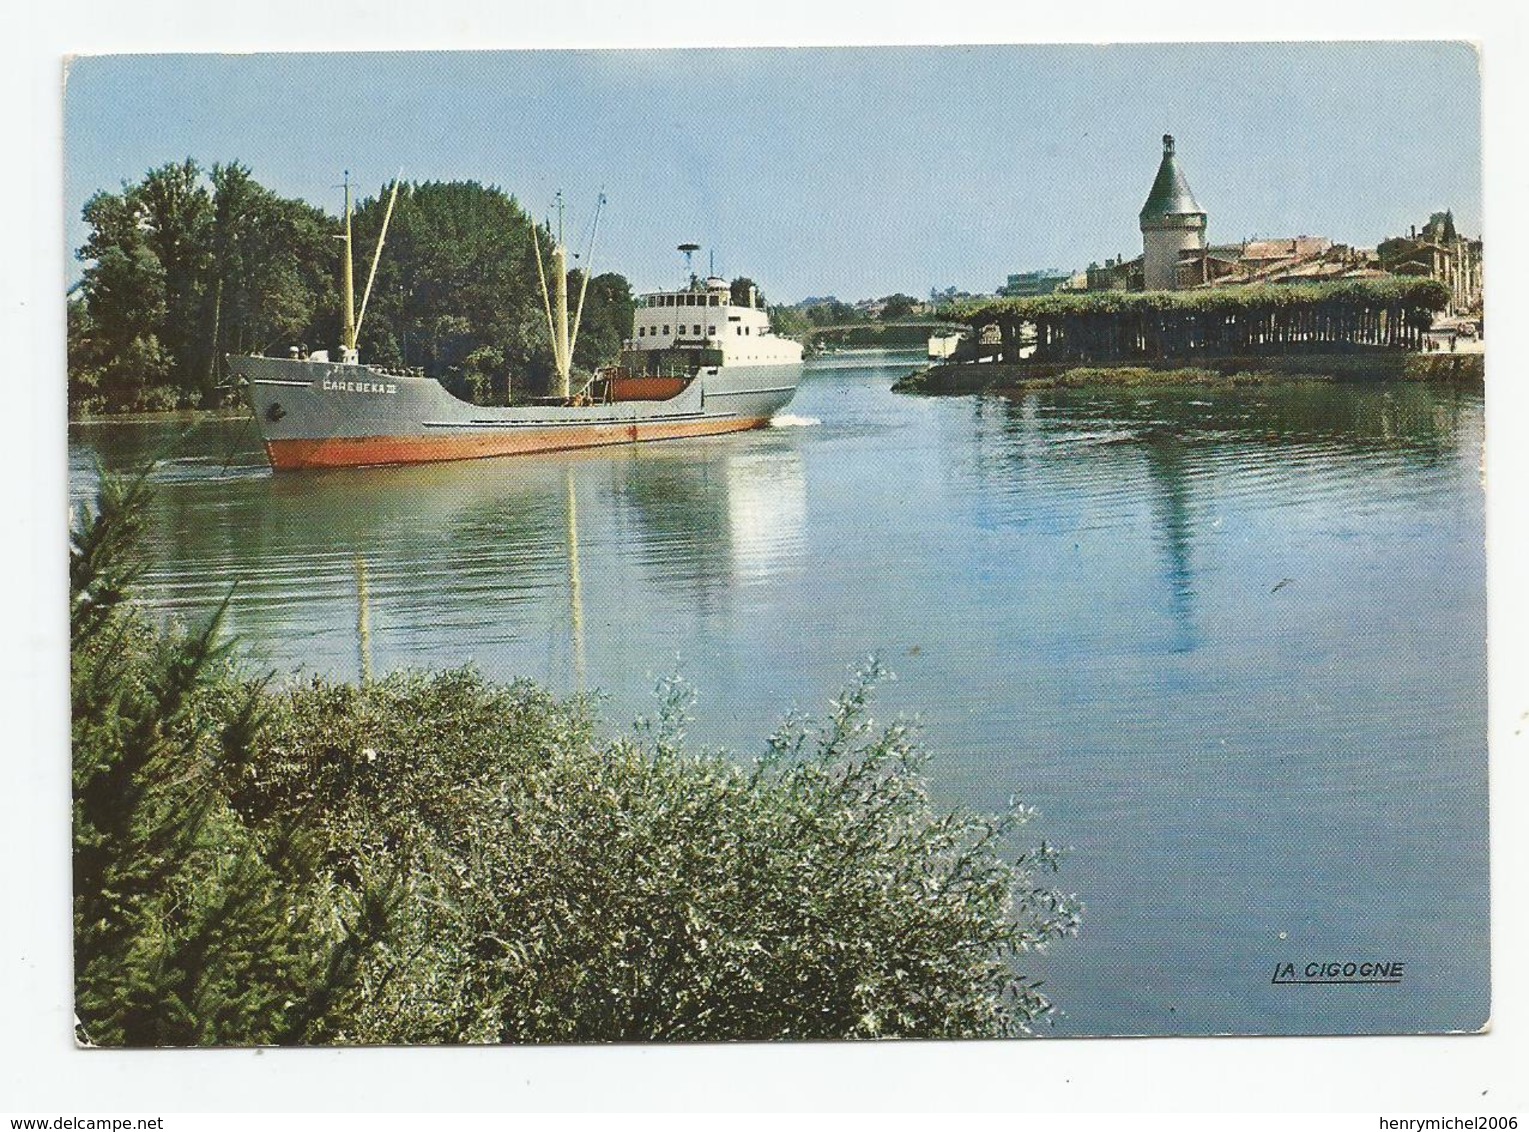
1171	222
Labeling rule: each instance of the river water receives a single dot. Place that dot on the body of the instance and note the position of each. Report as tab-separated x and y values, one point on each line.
1231	643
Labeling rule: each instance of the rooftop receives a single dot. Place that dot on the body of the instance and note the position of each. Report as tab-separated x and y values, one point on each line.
1170	195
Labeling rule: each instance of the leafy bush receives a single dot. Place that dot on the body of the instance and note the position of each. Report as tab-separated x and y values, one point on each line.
565	888
438	858
158	399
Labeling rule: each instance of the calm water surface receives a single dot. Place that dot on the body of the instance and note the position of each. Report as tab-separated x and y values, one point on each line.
1231	643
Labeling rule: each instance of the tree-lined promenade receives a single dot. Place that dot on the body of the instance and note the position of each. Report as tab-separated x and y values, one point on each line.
1124	326
189	264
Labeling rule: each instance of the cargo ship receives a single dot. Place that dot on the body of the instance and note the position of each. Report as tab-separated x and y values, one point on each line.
700	361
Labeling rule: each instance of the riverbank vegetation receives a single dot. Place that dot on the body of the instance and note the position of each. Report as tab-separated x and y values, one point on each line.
439	858
189	264
1357	315
997	377
1221	372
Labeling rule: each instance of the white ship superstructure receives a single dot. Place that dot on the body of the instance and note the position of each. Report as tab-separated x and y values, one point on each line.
702	325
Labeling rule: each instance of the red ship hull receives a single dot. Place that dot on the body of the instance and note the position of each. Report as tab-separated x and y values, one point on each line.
350	452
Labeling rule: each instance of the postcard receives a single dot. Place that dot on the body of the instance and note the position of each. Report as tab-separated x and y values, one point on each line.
777	545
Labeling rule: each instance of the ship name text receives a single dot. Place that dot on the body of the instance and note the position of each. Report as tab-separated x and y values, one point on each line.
360	386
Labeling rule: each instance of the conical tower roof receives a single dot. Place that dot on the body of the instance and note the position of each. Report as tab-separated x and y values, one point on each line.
1170	195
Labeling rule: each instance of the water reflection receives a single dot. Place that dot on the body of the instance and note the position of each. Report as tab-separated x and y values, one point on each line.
575	585
766	512
363	623
1098	462
445	564
674	512
1167	467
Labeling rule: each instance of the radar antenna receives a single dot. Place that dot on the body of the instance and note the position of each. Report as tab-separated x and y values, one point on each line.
689	250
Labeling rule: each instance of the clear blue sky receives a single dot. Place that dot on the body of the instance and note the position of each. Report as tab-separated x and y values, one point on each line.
848	171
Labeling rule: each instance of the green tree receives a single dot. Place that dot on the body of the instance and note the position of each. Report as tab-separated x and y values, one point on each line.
84	360
182	268
898	306
607	321
1338	316
740	289
833	313
185	267
457	278
173	209
116	349
189	929
789	322
232	189
274	263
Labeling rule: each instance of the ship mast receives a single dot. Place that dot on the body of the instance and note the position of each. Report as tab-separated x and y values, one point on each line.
589	267
348	336
560	299
352	328
556	303
387	218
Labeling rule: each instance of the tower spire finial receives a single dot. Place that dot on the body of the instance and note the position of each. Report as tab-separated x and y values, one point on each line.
1167	145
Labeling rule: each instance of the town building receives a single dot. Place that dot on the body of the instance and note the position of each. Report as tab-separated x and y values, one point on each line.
1115	275
1027	283
1438	252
